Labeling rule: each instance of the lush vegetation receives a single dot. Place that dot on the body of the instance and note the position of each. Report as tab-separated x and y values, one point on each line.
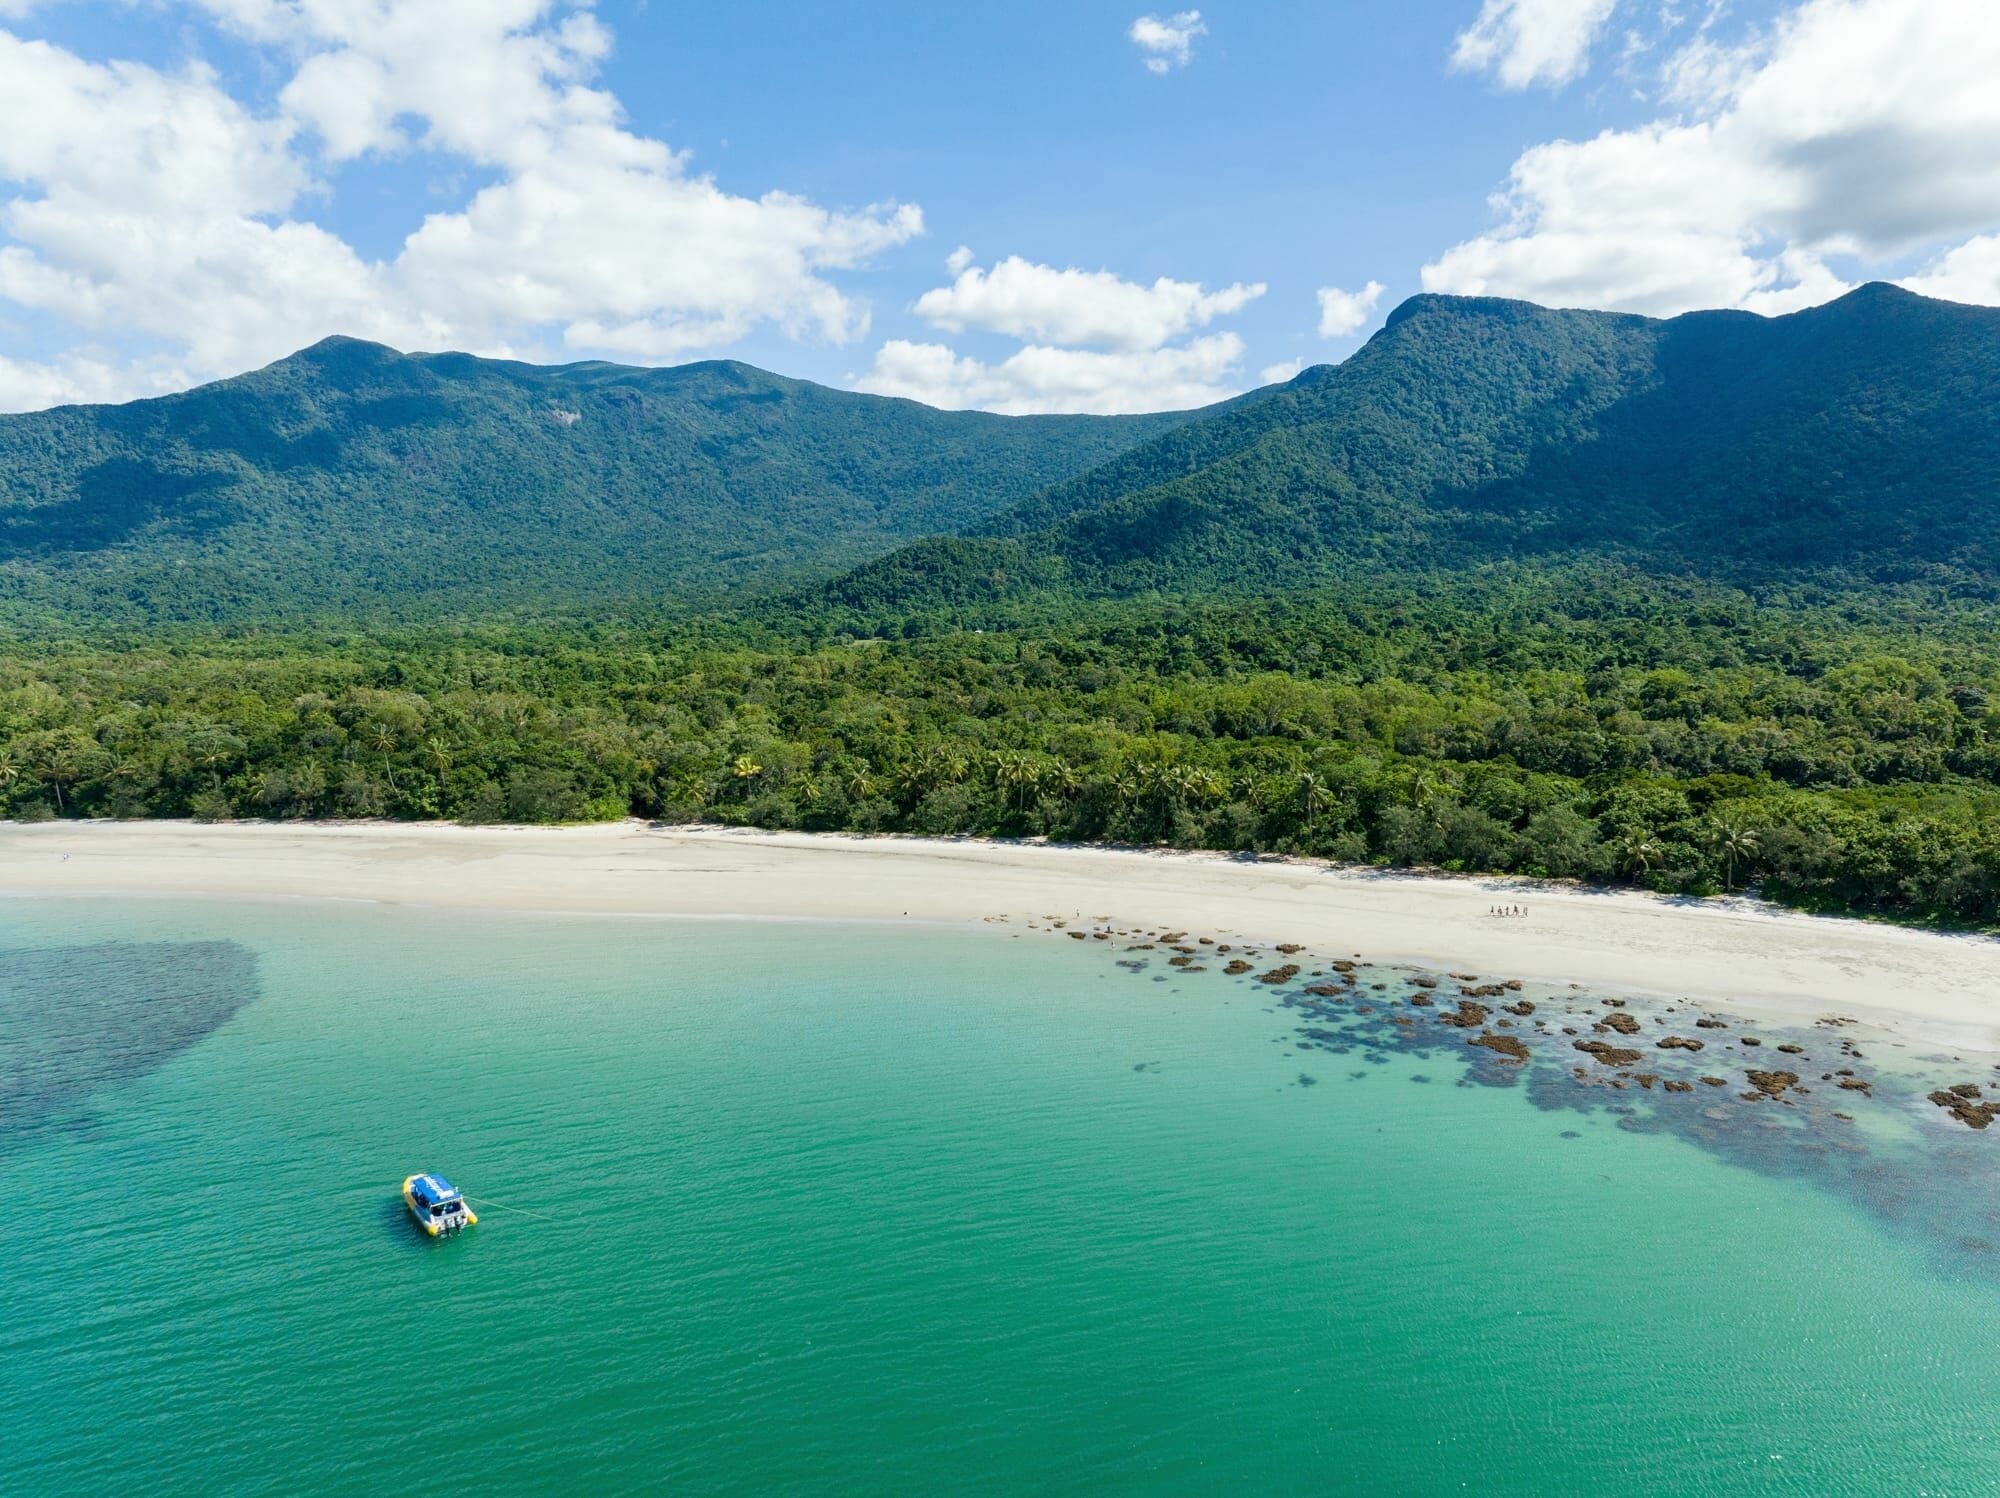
353	481
1596	727
1859	440
1697	604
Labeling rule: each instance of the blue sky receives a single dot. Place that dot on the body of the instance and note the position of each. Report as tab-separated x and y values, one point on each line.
1160	206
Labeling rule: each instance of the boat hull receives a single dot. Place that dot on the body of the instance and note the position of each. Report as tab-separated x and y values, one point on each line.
420	1213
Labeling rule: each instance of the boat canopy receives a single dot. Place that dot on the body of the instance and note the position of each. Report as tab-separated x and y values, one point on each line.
431	1190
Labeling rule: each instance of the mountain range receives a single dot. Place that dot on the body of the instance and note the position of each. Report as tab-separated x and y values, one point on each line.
350	479
1854	442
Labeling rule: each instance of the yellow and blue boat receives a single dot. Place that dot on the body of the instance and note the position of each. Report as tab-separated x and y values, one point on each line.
437	1205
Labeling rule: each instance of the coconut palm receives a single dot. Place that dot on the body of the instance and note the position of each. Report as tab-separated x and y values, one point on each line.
438	751
1016	774
1312	797
1737	844
1638	853
382	739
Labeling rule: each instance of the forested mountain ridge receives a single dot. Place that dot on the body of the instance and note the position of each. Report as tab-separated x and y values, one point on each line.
350	478
1852	443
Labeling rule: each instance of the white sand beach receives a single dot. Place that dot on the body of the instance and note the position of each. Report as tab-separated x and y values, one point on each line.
1757	961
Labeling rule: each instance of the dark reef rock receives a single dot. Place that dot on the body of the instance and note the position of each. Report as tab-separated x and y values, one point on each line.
1678	1043
1959	1103
1522	1007
1772	1083
1624	1024
1283	974
1607	1055
1468	1016
1508	1047
1238	966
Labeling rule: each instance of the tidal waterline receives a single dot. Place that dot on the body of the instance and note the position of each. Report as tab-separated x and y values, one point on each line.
847	1206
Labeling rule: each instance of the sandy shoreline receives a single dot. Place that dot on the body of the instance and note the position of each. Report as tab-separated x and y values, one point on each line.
1758	961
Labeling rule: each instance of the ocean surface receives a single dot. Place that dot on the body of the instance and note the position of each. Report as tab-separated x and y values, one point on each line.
849	1208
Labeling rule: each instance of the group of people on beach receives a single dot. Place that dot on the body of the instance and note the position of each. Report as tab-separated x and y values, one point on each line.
1511	911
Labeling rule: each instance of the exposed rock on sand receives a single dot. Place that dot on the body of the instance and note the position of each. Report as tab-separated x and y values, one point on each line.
1772	1083
1508	1047
1607	1055
1962	1103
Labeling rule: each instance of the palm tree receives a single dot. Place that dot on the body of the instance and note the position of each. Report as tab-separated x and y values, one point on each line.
1016	773
382	739
745	769
438	751
860	785
59	762
1312	797
1736	844
1061	776
1637	853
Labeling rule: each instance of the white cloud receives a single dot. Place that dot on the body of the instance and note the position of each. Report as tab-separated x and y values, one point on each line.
153	206
1278	374
1526	42
1969	272
1091	342
1345	312
1076	308
1038	378
1167	43
1865	128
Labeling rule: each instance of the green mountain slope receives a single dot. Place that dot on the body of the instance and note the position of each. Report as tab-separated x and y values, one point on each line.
353	479
1855	442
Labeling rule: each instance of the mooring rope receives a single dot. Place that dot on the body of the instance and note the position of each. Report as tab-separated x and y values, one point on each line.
487	1201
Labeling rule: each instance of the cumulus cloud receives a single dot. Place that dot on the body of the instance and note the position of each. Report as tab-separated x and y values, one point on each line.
1092	341
1278	374
1038	378
1529	42
1167	43
1969	272
1345	312
152	205
1076	308
1851	128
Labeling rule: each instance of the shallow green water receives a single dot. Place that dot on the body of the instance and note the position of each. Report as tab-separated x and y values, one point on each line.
854	1208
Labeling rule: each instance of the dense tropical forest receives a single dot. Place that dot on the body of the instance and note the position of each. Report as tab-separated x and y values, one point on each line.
1701	605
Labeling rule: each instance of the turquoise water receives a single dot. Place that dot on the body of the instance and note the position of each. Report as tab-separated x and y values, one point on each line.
839	1208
